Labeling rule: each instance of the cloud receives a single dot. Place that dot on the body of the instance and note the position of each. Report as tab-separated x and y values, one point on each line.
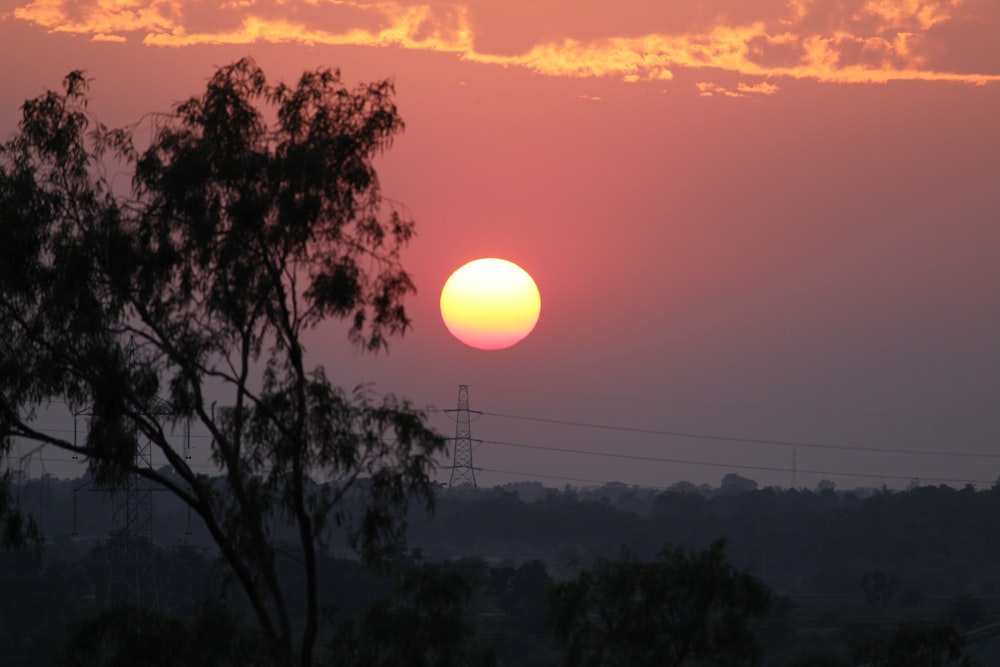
844	41
99	17
710	89
908	14
762	88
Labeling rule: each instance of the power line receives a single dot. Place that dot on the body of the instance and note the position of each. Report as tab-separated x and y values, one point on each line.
50	459
715	464
564	479
746	440
171	433
82	462
703	436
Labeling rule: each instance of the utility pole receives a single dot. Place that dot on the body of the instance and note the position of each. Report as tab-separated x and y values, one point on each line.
462	471
795	469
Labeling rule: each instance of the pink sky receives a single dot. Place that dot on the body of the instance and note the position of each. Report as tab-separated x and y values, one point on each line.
769	219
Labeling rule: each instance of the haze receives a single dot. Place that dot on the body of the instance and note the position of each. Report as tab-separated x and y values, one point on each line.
769	220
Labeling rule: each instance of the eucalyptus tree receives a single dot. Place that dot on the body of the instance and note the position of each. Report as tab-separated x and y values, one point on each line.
254	214
681	609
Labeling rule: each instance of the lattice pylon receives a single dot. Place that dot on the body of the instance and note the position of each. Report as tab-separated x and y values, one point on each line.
462	471
132	574
132	522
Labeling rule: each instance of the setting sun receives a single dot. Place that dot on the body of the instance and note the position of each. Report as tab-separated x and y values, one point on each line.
490	304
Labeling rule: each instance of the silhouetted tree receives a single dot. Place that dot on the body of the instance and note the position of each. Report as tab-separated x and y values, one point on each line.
878	587
521	594
966	611
254	215
123	636
912	596
733	484
423	624
919	644
818	656
826	486
681	609
16	529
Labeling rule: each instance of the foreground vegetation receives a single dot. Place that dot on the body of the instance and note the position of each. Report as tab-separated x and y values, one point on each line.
510	577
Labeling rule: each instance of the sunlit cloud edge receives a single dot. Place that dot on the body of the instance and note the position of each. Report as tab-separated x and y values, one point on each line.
653	57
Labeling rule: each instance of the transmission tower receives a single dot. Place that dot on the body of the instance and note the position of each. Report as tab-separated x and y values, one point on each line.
132	521
132	512
462	471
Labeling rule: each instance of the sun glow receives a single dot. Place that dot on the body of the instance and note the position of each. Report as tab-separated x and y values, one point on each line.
490	304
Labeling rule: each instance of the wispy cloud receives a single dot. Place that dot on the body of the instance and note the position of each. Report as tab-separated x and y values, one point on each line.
709	89
845	41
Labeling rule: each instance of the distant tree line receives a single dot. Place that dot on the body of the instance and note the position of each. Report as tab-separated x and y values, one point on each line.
509	576
928	541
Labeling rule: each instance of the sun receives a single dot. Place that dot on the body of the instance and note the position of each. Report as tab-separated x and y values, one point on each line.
490	303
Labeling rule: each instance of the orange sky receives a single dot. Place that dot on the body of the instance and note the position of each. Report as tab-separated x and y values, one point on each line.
773	219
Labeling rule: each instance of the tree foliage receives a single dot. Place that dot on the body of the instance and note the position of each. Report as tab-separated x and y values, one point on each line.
254	214
966	611
123	636
422	624
919	644
879	587
681	608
